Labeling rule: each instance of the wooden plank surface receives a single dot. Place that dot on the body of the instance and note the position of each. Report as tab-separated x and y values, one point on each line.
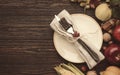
26	39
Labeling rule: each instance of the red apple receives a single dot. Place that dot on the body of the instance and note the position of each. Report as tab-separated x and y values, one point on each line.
112	53
116	33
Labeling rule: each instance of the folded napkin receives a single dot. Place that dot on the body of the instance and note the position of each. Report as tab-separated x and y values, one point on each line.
55	25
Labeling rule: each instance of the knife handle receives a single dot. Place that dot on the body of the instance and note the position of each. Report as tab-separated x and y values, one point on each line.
89	50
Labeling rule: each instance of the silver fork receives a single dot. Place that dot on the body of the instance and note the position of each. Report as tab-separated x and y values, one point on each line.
68	27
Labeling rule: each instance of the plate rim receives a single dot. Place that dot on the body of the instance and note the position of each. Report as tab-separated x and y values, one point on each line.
80	58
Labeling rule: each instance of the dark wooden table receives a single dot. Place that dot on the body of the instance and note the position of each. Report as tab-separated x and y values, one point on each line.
26	39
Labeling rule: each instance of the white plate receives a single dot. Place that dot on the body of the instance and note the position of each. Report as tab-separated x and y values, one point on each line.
88	27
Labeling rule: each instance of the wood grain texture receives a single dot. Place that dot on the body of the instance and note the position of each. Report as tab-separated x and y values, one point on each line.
26	39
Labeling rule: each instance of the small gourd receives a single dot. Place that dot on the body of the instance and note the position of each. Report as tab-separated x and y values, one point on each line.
103	12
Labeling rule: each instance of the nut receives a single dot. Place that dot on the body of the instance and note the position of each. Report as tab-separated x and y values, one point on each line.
82	4
87	6
106	37
110	31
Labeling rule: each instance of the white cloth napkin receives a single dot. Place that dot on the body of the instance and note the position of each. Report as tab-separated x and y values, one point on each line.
55	25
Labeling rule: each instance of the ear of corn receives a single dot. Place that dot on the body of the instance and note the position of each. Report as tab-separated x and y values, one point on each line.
61	71
76	68
67	69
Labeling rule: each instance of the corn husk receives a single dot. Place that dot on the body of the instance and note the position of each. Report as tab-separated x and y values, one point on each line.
67	69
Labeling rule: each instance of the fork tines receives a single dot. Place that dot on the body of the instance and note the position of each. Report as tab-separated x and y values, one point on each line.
64	23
